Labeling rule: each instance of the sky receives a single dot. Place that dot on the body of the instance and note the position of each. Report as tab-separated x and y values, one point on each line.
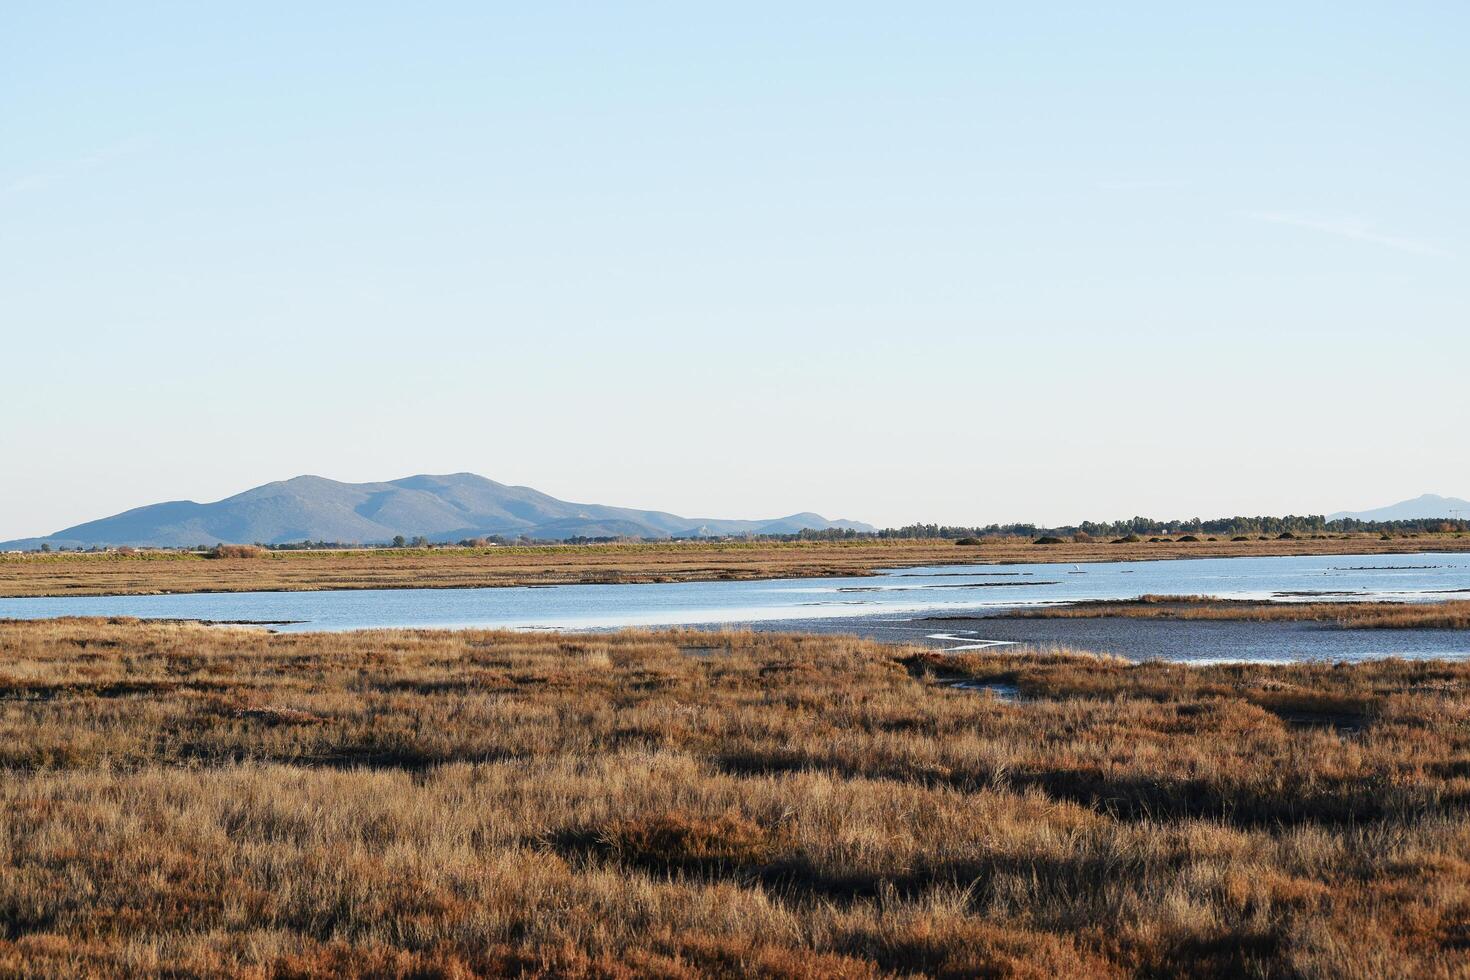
952	262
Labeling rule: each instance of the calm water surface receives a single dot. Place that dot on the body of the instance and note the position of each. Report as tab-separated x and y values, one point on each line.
901	601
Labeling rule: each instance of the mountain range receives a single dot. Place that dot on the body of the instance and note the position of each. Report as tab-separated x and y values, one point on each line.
1427	505
439	508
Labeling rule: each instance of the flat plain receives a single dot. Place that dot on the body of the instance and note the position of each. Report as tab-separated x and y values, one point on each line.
149	573
196	801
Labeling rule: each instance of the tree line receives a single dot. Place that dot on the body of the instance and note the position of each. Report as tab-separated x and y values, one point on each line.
1291	524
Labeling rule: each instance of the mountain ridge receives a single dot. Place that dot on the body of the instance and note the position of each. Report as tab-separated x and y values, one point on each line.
439	507
1425	505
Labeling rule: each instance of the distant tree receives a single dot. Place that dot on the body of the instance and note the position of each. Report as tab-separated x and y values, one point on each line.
45	546
420	542
399	541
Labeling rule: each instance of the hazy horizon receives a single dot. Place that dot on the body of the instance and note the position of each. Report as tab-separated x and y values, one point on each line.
942	263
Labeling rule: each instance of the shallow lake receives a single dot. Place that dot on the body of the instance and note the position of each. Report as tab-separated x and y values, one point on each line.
897	602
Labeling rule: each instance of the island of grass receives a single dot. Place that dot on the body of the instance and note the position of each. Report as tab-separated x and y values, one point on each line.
1452	614
185	800
235	568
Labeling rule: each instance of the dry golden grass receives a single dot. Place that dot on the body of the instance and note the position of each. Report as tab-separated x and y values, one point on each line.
1453	614
234	551
145	572
191	801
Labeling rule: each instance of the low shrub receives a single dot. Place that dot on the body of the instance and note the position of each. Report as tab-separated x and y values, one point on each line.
1048	539
968	542
236	551
1127	539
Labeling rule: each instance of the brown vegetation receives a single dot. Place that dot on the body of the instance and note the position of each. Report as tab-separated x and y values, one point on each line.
201	801
1349	615
236	551
146	573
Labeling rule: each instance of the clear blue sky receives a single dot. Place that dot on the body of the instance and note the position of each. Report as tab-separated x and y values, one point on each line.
949	261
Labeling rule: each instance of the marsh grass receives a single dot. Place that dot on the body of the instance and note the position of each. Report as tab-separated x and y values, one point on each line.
186	800
1454	614
152	572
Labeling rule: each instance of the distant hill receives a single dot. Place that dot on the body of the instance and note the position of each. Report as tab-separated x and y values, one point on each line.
1429	505
440	508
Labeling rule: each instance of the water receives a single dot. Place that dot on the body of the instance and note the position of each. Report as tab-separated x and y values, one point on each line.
1189	641
897	596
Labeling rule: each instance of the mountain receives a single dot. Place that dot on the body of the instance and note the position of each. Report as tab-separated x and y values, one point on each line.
440	508
1429	505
